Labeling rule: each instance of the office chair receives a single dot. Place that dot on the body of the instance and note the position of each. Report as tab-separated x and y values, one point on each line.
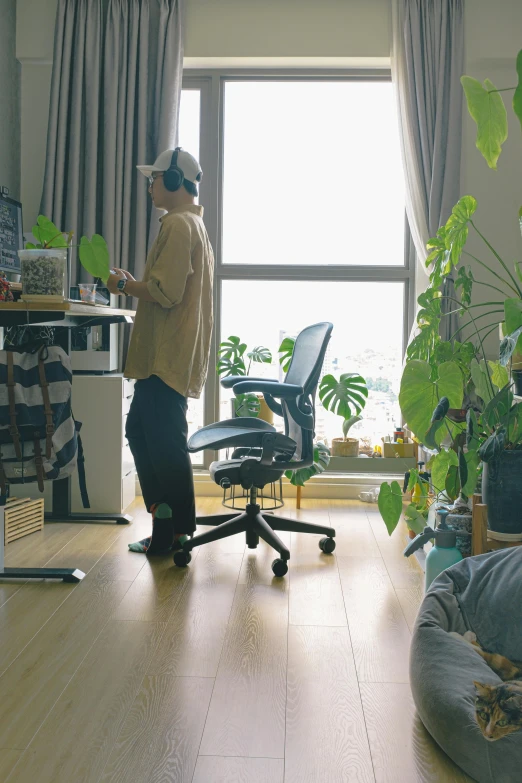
262	454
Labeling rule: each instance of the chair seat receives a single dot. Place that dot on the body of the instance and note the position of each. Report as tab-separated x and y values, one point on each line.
238	432
245	472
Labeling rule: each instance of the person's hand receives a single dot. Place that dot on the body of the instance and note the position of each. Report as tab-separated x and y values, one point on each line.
124	272
114	278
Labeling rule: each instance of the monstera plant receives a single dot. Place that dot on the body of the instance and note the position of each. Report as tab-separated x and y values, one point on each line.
232	356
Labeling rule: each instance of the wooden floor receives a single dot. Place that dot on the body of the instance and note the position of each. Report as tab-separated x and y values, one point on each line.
219	673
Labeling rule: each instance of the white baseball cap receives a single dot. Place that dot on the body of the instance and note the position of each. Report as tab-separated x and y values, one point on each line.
188	164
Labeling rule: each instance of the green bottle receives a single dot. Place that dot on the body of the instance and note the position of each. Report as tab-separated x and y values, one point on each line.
444	552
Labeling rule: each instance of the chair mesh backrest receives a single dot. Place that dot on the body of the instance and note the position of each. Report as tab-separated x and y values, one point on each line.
305	370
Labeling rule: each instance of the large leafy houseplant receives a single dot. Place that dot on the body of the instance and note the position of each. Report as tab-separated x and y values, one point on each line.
456	401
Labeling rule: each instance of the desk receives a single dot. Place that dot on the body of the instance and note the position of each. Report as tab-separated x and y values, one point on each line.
68	315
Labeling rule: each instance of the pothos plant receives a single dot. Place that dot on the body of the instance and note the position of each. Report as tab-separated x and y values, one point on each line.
94	254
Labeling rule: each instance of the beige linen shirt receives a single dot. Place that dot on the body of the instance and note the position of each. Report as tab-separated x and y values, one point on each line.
171	336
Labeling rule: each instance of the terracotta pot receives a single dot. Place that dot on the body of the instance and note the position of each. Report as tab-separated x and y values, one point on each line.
345	448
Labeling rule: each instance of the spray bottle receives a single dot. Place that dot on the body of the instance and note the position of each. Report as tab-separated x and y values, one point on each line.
443	554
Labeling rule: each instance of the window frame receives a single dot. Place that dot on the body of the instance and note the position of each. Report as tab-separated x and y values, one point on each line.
211	84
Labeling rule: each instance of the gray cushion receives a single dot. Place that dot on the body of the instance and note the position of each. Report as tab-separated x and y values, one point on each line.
484	595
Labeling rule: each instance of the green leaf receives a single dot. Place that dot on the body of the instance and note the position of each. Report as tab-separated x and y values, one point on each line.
420	393
514	424
472	430
498	407
513	322
463	468
390	505
472	461
261	355
487	109
452	482
438	258
94	256
457	227
321	461
491	448
231	348
47	234
227	367
348	424
247	405
286	349
480	379
414	477
30	246
517	97
437	420
340	396
415	520
465	281
499	374
440	467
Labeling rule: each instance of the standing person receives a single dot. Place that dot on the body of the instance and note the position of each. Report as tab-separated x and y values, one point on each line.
170	346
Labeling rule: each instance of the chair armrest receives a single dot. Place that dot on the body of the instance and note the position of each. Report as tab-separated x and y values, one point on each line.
273	388
231	380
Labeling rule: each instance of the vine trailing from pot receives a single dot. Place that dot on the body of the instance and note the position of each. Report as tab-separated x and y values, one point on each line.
456	401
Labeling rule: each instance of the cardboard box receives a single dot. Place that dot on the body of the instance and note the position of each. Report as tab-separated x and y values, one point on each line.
398	449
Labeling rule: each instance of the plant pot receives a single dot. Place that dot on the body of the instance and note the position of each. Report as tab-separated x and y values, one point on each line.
517	379
44	274
345	448
502	492
264	411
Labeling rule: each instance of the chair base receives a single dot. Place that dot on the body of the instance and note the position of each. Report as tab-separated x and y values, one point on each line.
255	526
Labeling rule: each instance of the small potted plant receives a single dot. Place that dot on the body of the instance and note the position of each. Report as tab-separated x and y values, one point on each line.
346	397
44	264
231	361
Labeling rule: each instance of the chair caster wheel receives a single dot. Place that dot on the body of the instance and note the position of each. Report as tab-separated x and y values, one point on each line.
279	567
182	559
327	545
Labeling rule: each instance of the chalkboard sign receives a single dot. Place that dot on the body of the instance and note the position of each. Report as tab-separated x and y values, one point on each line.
11	236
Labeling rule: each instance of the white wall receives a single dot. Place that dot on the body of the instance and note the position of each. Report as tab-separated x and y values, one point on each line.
493	38
9	100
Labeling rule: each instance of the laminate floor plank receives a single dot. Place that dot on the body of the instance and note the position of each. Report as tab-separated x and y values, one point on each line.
402	750
325	731
32	684
316	596
193	639
24	614
8	760
160	739
410	599
218	769
85	549
85	722
247	711
36	549
375	619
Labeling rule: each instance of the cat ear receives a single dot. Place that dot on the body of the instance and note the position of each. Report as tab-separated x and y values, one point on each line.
515	700
481	689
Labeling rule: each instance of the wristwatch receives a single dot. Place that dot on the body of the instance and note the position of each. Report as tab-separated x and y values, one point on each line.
121	285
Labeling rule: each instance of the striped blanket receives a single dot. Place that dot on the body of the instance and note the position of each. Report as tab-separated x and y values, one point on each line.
38	434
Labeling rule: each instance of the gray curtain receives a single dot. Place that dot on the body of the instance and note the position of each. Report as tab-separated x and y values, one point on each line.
115	94
427	63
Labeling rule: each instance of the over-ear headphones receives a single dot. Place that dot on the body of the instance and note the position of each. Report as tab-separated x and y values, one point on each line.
173	177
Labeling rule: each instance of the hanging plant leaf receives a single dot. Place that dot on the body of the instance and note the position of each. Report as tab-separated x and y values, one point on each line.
492	447
440	467
437	420
452	482
300	476
472	462
390	504
47	234
517	97
472	430
261	355
465	281
420	393
415	520
286	349
487	109
94	256
340	396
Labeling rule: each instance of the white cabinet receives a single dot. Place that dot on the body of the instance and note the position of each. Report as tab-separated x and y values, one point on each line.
101	403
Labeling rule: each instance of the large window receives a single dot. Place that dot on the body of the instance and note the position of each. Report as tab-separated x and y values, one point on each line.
304	204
